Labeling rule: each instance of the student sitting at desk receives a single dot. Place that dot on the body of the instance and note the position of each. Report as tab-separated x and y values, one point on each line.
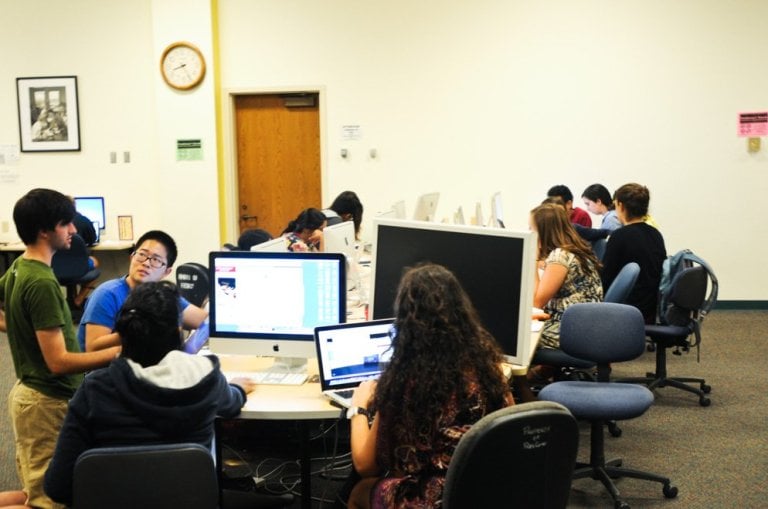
443	377
152	260
305	233
346	207
152	394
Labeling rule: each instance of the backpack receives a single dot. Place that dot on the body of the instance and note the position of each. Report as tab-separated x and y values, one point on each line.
672	266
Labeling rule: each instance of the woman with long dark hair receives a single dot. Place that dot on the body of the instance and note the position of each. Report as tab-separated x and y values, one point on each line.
444	375
305	233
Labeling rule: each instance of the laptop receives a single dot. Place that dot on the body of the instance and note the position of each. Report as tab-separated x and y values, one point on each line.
196	339
349	353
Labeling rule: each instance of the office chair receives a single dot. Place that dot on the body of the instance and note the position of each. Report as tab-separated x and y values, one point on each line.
681	320
605	333
521	455
598	247
192	280
72	269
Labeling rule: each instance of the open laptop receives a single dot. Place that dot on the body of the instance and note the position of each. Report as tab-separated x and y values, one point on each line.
196	339
350	353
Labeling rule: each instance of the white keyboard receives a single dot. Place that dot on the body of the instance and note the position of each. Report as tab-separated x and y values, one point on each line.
270	377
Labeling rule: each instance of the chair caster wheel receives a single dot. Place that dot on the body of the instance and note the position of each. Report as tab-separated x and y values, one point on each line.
706	389
614	429
670	491
621	505
651	347
704	401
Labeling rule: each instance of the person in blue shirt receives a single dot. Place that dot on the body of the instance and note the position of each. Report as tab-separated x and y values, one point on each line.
152	260
598	200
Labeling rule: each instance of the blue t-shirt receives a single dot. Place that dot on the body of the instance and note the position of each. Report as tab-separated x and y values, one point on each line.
610	221
104	303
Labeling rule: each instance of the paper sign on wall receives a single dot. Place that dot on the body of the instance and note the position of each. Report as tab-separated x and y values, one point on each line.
752	125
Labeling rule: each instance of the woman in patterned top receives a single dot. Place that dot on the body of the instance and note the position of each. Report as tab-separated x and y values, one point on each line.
443	377
305	233
567	269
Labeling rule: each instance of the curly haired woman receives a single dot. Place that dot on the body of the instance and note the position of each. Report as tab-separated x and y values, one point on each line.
443	377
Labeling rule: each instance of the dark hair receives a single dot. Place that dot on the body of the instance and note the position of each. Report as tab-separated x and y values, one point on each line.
41	210
555	230
598	192
348	203
310	219
561	191
164	239
252	237
634	198
148	322
441	343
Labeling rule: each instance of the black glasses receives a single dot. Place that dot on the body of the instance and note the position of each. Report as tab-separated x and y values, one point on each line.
154	262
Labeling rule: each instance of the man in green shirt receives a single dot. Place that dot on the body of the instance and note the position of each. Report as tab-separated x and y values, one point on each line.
45	351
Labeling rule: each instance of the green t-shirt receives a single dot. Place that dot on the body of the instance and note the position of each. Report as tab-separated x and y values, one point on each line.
33	301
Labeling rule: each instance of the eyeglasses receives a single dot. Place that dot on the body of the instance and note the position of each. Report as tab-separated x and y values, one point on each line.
142	257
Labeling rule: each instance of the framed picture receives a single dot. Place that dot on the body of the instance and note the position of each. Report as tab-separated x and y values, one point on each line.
48	114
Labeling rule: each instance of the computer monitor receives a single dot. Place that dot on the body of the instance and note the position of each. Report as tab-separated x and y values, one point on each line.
340	238
497	211
495	267
399	209
479	220
92	207
458	216
269	304
426	206
276	245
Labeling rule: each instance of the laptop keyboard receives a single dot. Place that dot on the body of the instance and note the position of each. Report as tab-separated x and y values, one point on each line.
345	393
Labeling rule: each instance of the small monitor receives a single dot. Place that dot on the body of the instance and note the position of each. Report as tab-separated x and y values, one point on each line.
426	206
340	238
458	216
276	245
92	207
497	211
495	267
479	219
399	209
269	304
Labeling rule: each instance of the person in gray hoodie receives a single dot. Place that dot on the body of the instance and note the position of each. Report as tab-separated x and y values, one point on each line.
154	393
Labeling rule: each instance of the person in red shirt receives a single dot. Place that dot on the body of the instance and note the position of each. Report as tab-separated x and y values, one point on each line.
576	215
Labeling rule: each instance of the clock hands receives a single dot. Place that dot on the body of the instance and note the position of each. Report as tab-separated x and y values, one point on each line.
179	67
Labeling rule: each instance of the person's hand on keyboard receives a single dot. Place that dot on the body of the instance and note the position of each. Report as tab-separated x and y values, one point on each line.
247	384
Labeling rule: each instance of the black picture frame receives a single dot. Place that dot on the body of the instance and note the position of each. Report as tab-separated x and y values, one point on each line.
49	119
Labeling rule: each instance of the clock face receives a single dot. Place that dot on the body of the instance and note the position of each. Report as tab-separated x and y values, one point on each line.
182	65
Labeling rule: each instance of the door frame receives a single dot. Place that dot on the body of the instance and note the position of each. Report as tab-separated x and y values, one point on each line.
227	171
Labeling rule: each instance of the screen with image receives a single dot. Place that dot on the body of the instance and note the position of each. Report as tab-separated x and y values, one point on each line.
269	304
495	267
92	207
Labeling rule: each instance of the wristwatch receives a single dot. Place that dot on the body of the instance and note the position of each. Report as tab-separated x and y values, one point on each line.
356	410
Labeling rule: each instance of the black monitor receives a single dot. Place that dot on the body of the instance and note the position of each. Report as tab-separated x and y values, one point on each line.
266	303
92	207
495	267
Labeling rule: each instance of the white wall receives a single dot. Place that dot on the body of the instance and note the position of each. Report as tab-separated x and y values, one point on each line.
462	98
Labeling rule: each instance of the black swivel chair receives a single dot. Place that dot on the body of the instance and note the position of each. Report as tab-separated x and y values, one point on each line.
192	280
72	269
680	328
521	456
605	333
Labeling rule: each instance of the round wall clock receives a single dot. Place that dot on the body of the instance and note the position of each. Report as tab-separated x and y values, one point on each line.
182	65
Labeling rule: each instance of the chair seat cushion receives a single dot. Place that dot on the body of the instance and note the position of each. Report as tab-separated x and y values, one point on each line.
600	401
666	332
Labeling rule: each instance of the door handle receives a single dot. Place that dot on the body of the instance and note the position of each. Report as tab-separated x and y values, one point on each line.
246	217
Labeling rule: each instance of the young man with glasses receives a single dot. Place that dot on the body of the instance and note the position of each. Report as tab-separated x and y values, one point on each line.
152	260
38	322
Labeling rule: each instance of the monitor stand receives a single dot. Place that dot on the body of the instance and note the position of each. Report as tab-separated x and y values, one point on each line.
289	365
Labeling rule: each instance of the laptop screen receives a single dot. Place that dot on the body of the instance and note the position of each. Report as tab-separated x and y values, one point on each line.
348	354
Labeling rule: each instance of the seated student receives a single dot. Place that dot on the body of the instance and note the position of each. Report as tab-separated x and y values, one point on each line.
346	207
637	241
569	270
443	377
305	233
576	215
249	238
598	200
588	234
152	260
152	394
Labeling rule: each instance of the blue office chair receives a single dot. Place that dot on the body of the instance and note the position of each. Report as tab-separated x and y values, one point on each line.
598	247
605	333
521	455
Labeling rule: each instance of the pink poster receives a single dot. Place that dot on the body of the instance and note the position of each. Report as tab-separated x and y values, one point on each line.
753	125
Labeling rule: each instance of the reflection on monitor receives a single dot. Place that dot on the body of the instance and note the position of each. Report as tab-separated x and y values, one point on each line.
497	211
494	266
269	304
426	206
276	245
92	207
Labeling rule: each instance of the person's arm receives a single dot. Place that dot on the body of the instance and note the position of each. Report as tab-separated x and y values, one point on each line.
62	362
192	317
363	437
550	282
591	234
2	321
98	337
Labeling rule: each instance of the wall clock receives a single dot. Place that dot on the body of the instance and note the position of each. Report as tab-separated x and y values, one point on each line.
182	66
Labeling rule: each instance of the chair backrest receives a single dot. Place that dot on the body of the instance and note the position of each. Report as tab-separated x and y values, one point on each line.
152	476
603	332
687	295
70	265
623	283
598	247
519	456
192	280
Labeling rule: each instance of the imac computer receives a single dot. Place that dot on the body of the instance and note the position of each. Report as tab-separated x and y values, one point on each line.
495	267
497	211
269	304
426	206
276	245
399	209
479	220
458	216
92	207
340	238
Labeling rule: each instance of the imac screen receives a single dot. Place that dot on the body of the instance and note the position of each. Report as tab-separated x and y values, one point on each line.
495	267
276	297
92	207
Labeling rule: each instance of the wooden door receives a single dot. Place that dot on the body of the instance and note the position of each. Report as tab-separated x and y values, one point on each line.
278	160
